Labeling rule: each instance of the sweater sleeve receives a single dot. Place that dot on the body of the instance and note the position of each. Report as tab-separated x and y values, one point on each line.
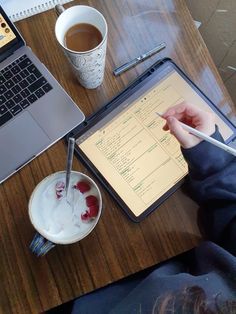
212	183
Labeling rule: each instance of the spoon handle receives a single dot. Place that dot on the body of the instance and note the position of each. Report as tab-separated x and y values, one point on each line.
70	152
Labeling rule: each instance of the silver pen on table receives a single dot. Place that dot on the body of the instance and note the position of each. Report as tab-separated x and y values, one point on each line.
70	152
139	59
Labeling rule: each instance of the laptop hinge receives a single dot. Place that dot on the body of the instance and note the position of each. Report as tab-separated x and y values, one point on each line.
6	54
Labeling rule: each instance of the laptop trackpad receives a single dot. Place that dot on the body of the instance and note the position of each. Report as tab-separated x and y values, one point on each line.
20	141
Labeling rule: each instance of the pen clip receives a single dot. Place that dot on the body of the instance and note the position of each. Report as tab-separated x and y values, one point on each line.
153	51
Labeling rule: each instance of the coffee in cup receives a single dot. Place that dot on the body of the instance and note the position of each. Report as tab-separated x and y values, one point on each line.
82	37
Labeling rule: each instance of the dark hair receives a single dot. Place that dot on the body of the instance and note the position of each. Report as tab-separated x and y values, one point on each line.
193	300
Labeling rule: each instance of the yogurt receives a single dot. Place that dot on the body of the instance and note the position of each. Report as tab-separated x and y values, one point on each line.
65	220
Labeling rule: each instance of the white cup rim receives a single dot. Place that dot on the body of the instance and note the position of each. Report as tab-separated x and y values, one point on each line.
75	239
87	51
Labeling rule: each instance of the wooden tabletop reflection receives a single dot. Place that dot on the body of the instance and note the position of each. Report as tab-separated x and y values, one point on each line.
117	247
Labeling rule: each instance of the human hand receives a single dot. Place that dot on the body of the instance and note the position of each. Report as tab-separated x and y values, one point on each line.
191	115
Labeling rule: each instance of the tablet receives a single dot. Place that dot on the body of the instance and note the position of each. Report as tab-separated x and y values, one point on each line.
123	144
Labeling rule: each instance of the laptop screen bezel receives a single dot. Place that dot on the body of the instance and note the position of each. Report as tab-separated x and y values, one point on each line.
15	44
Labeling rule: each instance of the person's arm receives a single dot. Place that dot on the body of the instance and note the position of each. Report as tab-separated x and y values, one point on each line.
212	173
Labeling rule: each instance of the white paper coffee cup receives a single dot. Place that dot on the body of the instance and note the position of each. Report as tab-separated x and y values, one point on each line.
88	66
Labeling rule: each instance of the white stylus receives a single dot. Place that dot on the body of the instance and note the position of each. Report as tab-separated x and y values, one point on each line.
205	137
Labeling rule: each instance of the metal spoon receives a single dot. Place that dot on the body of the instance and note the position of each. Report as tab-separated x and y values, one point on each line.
69	161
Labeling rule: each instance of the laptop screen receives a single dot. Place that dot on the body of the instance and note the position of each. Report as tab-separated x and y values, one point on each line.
10	38
6	33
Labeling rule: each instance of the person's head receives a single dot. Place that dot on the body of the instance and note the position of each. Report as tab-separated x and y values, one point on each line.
193	300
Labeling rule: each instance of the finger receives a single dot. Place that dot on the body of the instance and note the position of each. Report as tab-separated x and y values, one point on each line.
176	111
186	112
168	112
177	130
191	115
196	114
166	127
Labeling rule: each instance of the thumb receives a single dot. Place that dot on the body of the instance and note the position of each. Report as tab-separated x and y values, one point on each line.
177	130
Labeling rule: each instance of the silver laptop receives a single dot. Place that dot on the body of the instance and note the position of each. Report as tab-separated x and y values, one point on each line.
35	111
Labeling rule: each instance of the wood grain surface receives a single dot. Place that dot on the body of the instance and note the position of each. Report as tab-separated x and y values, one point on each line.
117	247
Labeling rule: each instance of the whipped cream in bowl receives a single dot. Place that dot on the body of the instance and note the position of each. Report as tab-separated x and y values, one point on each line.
65	220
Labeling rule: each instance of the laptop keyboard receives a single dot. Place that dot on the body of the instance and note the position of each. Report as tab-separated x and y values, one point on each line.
21	84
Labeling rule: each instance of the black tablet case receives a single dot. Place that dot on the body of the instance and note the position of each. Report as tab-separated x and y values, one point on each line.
118	99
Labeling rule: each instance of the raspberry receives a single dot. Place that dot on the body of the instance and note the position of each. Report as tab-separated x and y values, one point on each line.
82	186
91	200
93	211
90	213
85	217
58	195
60	186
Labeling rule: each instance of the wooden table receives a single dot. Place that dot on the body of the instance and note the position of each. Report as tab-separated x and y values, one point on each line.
117	247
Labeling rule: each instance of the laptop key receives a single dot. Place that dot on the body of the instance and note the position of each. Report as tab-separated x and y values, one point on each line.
10	103
2	89
21	58
31	78
17	98
37	84
32	69
47	87
16	89
8	94
32	98
24	73
16	110
6	117
15	69
24	103
9	84
8	75
25	93
24	84
17	78
3	109
2	100
39	92
23	64
2	79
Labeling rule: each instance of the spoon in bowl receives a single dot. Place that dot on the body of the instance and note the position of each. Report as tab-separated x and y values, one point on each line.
69	161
